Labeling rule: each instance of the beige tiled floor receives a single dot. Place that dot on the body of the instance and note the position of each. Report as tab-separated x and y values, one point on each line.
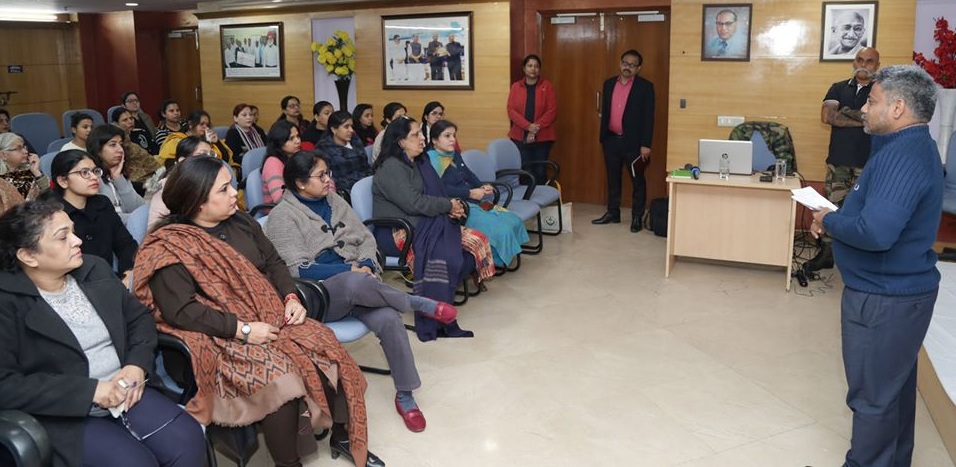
588	356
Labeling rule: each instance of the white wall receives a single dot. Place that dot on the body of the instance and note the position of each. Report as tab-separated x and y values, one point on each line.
324	85
926	12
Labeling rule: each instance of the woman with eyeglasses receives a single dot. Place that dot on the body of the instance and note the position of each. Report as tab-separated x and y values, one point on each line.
105	147
21	168
81	125
391	111
213	279
505	231
319	236
190	146
199	123
77	185
292	113
76	346
532	109
319	127
131	102
344	151
284	141
432	113
243	135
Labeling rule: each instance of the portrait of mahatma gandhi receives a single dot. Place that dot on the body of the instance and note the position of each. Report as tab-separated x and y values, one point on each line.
847	28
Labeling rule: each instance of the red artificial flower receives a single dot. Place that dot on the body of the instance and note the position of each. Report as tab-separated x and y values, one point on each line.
943	69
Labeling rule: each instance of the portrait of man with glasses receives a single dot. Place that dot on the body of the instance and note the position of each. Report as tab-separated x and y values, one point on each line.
726	32
848	33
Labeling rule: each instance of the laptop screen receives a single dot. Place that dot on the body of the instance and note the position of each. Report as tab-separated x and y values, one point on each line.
740	154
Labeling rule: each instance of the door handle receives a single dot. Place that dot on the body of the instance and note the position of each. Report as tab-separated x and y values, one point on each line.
196	91
597	101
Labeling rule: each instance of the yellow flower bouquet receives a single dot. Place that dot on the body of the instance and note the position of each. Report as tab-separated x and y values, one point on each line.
337	55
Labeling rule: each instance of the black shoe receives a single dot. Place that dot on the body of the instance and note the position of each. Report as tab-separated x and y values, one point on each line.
341	447
607	218
636	225
823	260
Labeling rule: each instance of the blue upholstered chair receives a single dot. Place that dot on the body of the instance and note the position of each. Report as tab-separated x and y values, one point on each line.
46	162
57	144
508	169
255	199
40	129
252	160
97	118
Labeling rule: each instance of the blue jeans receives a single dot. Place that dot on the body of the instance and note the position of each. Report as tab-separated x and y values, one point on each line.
882	336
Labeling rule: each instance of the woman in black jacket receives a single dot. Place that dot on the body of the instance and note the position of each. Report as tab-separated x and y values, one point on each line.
76	183
76	350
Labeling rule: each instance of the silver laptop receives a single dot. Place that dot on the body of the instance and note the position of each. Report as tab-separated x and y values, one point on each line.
740	153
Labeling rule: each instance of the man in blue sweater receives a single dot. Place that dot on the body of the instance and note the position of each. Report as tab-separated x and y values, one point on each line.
882	242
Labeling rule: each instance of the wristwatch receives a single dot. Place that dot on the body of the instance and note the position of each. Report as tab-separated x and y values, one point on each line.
245	330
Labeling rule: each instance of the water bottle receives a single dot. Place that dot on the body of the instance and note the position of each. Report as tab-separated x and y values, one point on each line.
724	166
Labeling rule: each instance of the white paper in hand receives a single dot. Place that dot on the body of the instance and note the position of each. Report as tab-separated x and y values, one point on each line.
809	197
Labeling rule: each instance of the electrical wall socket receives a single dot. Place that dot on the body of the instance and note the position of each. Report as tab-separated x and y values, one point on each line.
729	120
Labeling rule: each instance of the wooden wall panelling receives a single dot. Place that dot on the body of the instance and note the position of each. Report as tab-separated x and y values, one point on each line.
784	80
480	114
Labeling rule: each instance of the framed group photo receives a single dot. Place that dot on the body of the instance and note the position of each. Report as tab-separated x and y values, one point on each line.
725	32
431	51
252	52
847	28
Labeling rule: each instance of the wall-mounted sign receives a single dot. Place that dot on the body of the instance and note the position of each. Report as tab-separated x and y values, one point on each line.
14	68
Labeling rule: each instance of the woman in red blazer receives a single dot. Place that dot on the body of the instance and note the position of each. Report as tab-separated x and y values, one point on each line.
532	109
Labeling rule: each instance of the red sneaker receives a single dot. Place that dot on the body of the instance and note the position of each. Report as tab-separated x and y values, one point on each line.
414	420
445	313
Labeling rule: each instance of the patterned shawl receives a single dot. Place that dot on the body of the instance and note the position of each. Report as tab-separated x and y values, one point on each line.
240	384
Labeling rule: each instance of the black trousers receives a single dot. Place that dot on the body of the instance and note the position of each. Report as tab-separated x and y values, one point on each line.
619	157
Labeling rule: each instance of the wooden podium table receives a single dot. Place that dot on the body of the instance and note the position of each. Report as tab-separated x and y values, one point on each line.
741	219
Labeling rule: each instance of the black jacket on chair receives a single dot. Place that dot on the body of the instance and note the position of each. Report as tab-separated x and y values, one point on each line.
43	370
638	120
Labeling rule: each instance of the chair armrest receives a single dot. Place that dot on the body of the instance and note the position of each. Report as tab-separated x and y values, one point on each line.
178	364
24	438
507	188
314	297
548	164
520	173
262	207
396	223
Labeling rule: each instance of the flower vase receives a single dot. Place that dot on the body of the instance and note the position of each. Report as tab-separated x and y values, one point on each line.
342	86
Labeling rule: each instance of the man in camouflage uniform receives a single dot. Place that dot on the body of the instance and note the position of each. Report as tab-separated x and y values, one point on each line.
849	145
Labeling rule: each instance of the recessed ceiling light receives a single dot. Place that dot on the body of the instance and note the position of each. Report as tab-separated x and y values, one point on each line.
132	4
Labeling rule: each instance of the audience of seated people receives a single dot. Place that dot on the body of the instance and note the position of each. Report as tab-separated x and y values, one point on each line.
319	236
405	186
391	111
76	184
81	125
284	141
318	128
75	345
214	280
130	101
198	124
243	134
505	231
170	121
188	147
292	113
21	168
344	151
363	122
105	147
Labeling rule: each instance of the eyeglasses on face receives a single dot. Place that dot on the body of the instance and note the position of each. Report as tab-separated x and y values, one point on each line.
725	24
294	105
17	149
87	174
323	176
628	64
132	100
857	28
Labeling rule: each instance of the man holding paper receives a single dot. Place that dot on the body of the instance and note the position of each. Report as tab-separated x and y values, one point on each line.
849	144
882	242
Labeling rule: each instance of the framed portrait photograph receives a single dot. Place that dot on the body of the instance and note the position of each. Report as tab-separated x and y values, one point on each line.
847	28
428	51
252	52
725	32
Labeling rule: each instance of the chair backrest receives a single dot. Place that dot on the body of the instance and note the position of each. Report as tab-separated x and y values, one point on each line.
97	118
38	128
362	198
776	135
109	112
221	132
370	154
253	160
46	163
480	163
57	144
254	194
138	223
506	156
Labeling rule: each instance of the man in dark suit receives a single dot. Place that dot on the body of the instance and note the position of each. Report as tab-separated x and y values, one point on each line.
627	126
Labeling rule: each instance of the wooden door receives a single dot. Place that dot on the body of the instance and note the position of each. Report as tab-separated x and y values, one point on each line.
577	58
182	70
